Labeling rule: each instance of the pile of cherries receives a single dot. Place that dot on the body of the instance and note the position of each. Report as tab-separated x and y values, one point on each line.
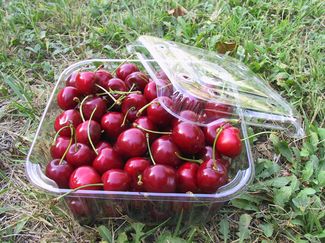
114	134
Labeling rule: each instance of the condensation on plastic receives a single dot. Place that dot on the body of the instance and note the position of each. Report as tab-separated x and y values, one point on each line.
139	205
200	76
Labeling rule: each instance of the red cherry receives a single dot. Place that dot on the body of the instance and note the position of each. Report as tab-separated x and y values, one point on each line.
187	115
164	152
90	104
216	111
210	176
229	142
161	75
159	178
186	177
135	167
94	132
71	80
80	154
111	123
116	180
157	113
78	207
115	84
60	173
188	137
67	98
60	146
207	154
85	175
144	122
131	143
101	145
138	79
131	104
65	119
125	69
107	159
102	76
192	103
150	91
85	83
210	131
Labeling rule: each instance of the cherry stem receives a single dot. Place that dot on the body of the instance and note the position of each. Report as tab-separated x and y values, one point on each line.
123	92
70	143
58	133
151	131
76	99
88	130
133	85
99	67
145	107
78	188
139	182
199	161
127	59
149	150
108	93
143	77
254	135
218	131
126	114
81	104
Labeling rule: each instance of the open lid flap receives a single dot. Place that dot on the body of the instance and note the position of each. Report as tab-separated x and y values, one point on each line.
201	81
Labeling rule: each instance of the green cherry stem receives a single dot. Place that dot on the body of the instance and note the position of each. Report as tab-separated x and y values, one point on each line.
108	93
81	105
126	114
218	131
145	107
199	161
76	189
254	135
58	133
88	131
149	150
132	87
70	143
150	131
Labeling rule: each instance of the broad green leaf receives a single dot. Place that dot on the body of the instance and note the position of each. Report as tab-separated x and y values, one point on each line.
20	225
321	178
274	139
308	171
306	192
244	232
244	204
267	229
138	228
314	140
224	229
282	195
122	238
301	202
167	237
105	233
285	150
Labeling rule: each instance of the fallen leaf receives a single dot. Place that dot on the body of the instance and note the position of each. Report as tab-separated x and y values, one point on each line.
223	47
178	11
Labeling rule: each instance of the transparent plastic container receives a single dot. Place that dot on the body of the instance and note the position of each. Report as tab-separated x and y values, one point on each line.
195	78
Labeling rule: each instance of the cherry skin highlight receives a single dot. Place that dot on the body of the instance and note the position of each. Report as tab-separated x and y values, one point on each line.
85	175
60	173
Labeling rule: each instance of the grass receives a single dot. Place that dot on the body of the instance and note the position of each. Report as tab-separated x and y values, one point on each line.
282	41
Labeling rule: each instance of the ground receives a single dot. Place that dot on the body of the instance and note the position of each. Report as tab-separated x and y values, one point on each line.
282	41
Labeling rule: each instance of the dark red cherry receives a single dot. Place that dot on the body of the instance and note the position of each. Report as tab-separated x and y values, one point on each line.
188	137
59	147
126	69
79	207
90	104
94	132
150	91
115	84
186	177
207	154
101	145
192	103
161	75
102	76
80	154
116	180
111	123
157	113
164	152
187	116
85	83
131	143
65	119
135	167
107	159
132	104
68	97
144	122
210	176
229	142
216	111
85	175
138	80
210	131
71	80
159	178
60	173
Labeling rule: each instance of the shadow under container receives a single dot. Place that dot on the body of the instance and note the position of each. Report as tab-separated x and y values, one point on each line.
188	77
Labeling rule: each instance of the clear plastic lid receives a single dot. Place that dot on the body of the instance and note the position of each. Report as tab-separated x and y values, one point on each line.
213	86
